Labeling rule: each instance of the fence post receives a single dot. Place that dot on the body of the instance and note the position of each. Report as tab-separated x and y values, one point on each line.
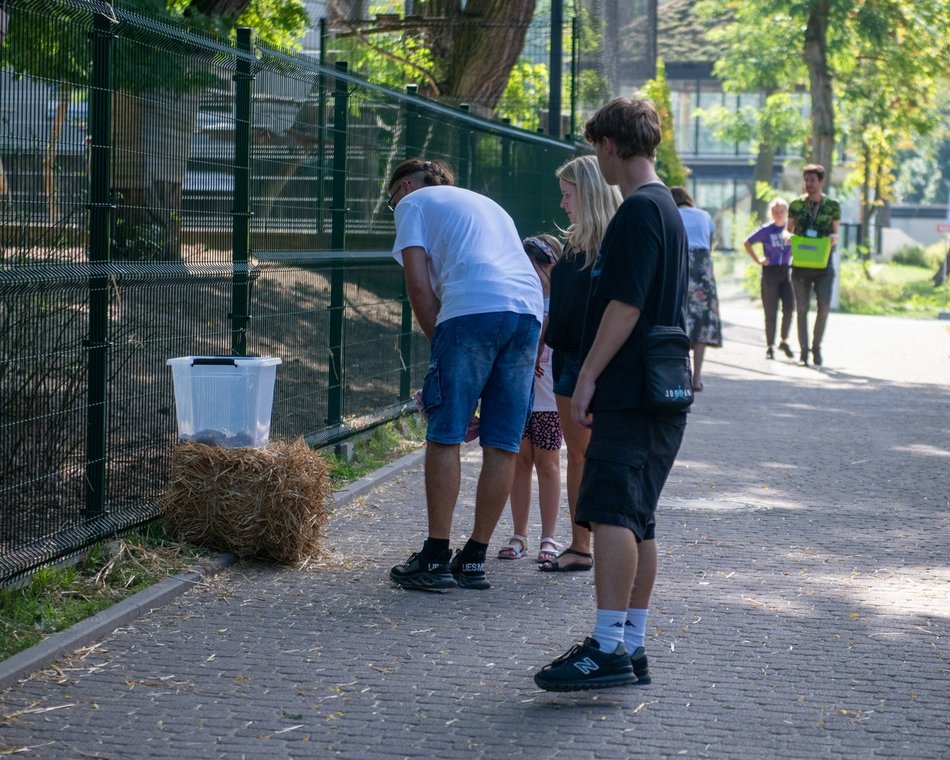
405	333
322	128
100	252
413	148
506	151
337	242
574	51
241	212
465	151
557	62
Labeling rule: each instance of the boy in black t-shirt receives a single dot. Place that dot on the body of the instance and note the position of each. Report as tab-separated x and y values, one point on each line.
639	279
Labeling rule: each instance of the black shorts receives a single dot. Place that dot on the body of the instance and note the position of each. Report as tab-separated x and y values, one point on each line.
628	460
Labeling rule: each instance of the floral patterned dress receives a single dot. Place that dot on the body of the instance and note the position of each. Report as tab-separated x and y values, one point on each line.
702	303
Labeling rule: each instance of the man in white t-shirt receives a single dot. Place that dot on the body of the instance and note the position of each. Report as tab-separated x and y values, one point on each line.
478	300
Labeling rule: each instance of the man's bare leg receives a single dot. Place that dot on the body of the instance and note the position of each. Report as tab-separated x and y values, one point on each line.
645	576
443	480
616	566
494	485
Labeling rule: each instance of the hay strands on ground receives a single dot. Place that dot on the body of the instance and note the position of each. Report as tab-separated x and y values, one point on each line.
269	503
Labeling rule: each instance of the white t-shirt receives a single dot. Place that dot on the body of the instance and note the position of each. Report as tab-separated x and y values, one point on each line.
477	264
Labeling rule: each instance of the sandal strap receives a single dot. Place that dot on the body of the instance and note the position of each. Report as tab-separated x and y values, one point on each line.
550	540
523	540
576	553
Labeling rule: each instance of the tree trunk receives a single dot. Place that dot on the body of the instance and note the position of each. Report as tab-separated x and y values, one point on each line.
52	144
942	271
764	163
226	8
347	11
153	136
4	185
819	76
479	47
302	141
867	205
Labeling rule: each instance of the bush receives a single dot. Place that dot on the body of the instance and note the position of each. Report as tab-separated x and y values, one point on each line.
912	255
892	289
895	289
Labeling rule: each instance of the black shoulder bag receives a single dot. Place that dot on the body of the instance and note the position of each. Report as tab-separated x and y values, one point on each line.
668	385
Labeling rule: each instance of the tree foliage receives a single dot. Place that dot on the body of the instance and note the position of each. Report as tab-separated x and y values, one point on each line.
669	167
871	67
888	90
526	95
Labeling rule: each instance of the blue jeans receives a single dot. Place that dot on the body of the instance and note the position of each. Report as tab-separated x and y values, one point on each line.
568	368
481	356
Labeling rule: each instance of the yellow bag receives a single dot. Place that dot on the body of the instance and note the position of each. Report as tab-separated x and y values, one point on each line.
810	252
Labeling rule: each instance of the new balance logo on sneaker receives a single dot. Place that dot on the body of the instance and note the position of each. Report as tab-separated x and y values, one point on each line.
585	666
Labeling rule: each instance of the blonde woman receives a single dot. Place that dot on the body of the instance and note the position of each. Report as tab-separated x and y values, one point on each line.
589	203
776	285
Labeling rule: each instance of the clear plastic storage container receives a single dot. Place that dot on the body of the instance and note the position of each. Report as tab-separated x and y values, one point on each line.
224	401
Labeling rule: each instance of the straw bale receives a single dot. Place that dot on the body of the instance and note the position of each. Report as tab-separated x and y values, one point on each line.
269	502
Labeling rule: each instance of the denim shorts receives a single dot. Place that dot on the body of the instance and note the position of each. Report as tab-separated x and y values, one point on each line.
626	465
570	367
488	357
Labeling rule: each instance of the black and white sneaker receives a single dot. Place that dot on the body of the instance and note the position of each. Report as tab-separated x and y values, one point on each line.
585	666
469	574
641	669
424	574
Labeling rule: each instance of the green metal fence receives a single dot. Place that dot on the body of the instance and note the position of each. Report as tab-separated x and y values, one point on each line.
165	194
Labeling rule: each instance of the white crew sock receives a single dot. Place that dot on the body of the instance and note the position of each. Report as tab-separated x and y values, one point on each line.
608	629
635	628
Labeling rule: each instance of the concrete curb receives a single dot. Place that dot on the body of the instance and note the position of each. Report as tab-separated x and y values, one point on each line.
22	664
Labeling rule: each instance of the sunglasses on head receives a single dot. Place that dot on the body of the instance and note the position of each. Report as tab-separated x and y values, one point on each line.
543	251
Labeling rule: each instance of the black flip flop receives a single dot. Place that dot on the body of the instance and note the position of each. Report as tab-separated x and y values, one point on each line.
555	566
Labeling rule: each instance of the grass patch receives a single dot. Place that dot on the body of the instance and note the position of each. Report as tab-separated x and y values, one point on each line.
378	448
58	597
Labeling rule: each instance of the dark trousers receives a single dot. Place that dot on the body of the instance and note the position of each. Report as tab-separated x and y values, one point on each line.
803	282
777	287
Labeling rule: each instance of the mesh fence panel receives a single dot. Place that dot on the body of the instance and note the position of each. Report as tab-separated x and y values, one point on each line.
163	194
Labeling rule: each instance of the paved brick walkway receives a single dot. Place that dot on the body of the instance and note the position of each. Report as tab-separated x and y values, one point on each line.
801	612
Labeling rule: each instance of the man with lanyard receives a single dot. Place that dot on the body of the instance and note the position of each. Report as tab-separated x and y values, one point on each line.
814	215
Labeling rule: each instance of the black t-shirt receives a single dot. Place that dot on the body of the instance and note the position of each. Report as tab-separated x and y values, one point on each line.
570	286
642	262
